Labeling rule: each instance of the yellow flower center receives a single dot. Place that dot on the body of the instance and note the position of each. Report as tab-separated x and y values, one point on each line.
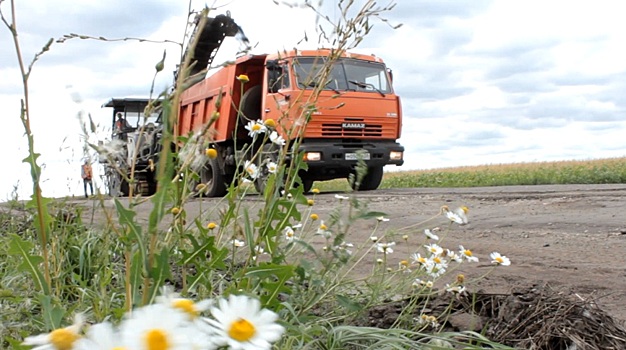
314	217
315	190
243	78
270	123
156	339
119	348
323	227
499	260
310	202
437	260
187	306
467	252
211	153
63	339
241	330
256	127
404	263
465	209
211	225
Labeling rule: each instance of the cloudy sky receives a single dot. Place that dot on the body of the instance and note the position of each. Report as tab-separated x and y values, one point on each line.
482	82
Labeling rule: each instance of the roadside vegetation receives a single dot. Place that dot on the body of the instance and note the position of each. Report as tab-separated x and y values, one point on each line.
594	171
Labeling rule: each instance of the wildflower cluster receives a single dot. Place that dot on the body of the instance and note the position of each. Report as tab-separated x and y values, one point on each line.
174	323
258	127
252	170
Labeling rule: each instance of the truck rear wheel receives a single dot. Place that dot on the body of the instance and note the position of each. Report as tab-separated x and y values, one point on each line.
371	180
211	176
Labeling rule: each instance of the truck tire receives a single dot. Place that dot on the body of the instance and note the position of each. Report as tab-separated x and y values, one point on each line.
371	180
306	186
211	175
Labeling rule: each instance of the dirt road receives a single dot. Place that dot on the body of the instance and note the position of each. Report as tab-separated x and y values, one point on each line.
570	236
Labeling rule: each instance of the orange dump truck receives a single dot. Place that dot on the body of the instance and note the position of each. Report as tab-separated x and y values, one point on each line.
335	113
356	115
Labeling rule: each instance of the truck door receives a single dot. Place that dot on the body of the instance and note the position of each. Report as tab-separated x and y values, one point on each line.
278	99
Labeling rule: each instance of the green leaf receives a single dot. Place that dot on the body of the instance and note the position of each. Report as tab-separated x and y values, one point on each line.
52	314
159	273
160	201
348	303
127	219
371	215
30	263
274	277
136	268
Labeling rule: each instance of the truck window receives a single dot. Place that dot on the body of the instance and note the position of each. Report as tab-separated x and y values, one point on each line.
278	78
345	74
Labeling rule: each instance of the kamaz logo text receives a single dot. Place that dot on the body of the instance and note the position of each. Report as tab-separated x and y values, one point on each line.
353	125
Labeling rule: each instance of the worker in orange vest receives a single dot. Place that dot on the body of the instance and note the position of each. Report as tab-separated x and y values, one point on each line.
87	174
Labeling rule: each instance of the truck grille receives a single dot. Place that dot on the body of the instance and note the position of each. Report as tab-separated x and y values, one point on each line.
336	130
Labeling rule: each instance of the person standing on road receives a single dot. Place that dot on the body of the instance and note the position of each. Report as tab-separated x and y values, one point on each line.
87	174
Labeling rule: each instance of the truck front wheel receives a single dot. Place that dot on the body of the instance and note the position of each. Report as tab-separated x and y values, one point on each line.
212	177
371	180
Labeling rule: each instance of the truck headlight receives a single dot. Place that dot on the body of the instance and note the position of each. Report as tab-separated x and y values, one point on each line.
395	155
312	156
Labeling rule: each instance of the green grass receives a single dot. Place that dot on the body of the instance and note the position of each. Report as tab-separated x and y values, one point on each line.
597	171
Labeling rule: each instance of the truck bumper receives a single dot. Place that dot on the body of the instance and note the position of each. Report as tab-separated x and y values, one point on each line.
327	160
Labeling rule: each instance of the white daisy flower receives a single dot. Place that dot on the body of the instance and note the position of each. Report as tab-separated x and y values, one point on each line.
435	270
455	289
241	324
382	219
343	246
258	250
419	259
461	212
340	197
498	259
58	339
158	326
385	248
255	127
374	239
438	262
289	233
323	230
189	307
101	336
454	256
467	254
430	235
251	169
272	167
434	249
277	139
454	217
237	243
421	283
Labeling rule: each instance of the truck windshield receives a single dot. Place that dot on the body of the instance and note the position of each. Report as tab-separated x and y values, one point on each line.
346	74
